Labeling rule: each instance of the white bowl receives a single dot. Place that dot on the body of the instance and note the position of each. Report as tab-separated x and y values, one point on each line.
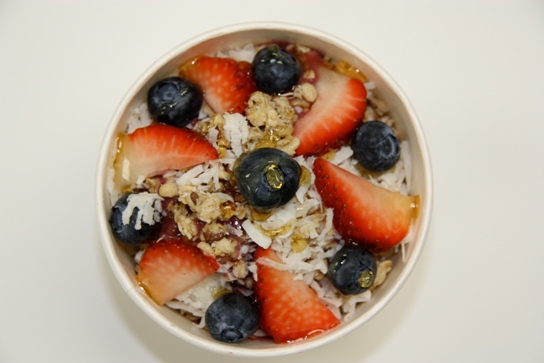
239	35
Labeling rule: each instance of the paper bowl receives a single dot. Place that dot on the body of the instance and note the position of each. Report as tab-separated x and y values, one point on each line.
238	35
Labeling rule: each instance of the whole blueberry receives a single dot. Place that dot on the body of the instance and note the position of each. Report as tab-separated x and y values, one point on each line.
132	233
174	101
267	178
352	270
375	146
275	70
232	318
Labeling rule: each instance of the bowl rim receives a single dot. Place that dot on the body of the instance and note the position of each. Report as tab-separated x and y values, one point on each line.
278	349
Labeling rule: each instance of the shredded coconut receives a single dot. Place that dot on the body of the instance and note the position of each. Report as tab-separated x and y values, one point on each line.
256	235
236	131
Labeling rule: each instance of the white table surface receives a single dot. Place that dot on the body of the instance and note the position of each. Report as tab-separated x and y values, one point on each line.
474	70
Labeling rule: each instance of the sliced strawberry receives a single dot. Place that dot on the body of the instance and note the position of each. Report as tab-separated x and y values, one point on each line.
336	113
171	266
290	309
364	212
226	84
157	148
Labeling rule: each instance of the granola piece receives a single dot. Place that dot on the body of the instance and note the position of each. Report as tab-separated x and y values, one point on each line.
285	131
168	190
186	225
370	114
301	103
309	74
209	208
151	184
380	107
249	282
284	109
239	269
217	121
212	232
306	91
382	270
206	249
318	275
288	145
259	109
224	247
214	129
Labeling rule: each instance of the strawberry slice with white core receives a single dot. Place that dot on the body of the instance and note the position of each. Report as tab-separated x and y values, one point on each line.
290	309
171	266
336	113
154	149
226	84
363	212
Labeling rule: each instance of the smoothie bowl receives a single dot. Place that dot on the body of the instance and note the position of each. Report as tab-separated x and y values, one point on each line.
263	189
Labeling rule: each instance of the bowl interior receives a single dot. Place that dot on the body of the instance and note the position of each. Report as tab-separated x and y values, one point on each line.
239	35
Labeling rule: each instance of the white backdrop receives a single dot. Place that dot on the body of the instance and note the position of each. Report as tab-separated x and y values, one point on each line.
474	70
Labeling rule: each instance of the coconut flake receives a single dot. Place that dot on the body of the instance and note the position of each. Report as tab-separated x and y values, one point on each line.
139	118
280	217
342	155
256	235
369	85
407	161
190	174
236	131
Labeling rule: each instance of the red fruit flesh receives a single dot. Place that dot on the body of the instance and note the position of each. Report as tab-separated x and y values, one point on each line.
225	83
151	150
338	110
364	212
291	310
171	266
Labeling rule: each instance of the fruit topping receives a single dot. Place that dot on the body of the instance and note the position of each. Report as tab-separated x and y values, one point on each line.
290	309
171	266
225	83
336	113
134	217
352	270
157	148
275	70
174	101
363	212
232	318
375	146
267	178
